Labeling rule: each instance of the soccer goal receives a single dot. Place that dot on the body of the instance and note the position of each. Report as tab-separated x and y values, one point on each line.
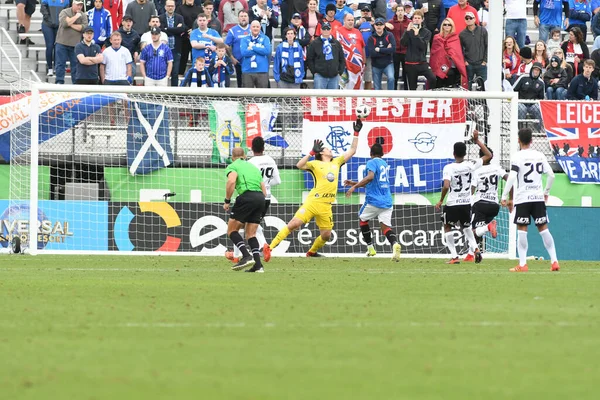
138	170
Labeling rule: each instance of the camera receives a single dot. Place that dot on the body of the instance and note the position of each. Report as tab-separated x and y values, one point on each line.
416	26
368	18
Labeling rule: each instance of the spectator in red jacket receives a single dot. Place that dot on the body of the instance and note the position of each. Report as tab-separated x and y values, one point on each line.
446	58
398	25
510	59
311	18
458	13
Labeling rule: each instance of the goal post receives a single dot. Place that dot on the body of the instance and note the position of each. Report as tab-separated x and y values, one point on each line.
138	170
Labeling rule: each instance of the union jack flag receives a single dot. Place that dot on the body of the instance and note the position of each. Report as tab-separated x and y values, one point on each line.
354	58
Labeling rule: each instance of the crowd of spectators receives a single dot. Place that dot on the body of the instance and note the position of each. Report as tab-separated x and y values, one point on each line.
349	44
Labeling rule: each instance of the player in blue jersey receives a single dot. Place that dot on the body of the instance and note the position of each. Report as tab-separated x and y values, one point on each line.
378	202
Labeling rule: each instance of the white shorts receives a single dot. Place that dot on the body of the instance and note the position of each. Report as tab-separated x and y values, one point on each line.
156	82
368	212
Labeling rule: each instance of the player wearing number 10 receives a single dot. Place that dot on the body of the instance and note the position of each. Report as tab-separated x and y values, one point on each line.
325	170
378	202
527	168
457	182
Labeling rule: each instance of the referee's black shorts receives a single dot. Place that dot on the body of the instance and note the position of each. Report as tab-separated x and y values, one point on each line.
248	207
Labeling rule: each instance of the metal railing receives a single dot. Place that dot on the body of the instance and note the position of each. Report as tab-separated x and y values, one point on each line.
5	42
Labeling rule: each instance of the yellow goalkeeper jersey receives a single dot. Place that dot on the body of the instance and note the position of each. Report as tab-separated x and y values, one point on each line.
325	176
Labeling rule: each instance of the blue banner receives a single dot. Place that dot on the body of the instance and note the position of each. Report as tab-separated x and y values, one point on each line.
579	169
63	225
59	112
405	176
148	139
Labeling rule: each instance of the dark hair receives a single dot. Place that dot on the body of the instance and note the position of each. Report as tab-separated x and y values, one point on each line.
258	144
208	3
152	17
525	135
286	30
221	46
589	61
319	157
481	153
377	150
578	33
553	31
460	149
243	10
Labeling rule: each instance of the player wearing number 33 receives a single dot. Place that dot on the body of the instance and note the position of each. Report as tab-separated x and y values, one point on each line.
527	168
378	202
325	170
457	182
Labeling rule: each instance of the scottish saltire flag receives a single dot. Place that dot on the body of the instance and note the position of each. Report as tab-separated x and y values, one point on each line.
227	128
148	138
260	121
58	113
418	137
573	131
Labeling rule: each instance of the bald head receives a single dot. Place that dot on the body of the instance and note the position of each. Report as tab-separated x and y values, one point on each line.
237	152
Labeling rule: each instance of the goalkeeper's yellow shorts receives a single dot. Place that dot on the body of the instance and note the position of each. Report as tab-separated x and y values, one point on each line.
321	212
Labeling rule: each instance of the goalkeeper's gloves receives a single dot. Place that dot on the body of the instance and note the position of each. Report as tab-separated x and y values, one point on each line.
317	147
357	126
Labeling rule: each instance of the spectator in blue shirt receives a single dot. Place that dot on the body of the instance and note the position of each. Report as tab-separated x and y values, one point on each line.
197	76
204	39
221	67
234	39
341	10
156	61
99	19
256	51
548	15
595	24
89	55
288	65
381	47
580	13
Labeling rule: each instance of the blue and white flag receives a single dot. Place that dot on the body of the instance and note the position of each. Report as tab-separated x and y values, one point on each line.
148	139
58	113
260	121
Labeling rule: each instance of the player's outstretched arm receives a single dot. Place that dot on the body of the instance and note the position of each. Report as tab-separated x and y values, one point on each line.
487	155
352	150
370	176
317	148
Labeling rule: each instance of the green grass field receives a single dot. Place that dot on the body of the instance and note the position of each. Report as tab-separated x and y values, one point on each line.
189	328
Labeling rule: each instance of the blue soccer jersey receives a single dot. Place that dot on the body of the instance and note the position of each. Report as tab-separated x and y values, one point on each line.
378	190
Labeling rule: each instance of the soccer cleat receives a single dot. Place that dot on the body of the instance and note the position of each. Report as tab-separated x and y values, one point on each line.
555	266
493	228
229	255
478	256
244	263
519	268
455	260
396	248
257	268
266	252
311	254
371	252
469	258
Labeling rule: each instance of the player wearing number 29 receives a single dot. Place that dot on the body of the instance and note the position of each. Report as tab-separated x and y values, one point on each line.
486	205
527	168
378	202
325	170
457	182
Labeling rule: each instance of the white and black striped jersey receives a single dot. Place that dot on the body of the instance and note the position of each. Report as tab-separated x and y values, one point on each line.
269	171
487	179
529	165
460	176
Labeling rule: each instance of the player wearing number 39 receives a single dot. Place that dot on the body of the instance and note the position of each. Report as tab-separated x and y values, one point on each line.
378	202
325	171
527	168
457	182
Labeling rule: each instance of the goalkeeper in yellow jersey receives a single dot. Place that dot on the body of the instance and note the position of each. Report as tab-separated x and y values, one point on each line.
325	170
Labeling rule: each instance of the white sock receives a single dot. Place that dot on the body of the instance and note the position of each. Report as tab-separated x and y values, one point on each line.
470	239
549	244
236	252
481	230
522	247
450	244
260	236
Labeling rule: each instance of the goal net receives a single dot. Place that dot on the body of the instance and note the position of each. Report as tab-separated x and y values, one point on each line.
142	170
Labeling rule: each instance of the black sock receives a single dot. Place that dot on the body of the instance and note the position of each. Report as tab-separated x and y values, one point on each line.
391	237
238	242
366	232
253	242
